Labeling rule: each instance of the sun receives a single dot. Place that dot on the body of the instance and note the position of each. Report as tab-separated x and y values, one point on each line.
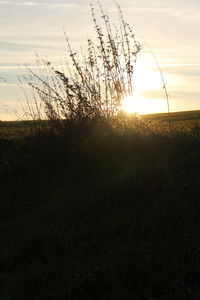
129	105
147	97
139	105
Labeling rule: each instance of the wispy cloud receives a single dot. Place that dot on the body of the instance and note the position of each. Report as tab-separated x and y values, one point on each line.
34	3
185	14
10	46
189	14
17	67
179	65
27	3
182	70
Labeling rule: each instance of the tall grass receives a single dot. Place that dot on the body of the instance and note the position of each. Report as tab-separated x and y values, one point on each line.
90	84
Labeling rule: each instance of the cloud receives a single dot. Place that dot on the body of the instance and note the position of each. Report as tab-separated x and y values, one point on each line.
181	65
169	65
183	70
186	95
184	14
10	46
27	3
17	67
34	3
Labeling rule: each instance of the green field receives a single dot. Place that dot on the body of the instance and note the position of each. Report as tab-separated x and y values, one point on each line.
185	119
100	212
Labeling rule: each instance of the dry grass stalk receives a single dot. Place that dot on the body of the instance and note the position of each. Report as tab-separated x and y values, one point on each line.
93	85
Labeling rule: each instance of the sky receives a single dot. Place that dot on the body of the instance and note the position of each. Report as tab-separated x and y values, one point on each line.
170	28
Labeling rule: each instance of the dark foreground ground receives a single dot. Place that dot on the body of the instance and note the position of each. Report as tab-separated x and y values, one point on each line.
99	213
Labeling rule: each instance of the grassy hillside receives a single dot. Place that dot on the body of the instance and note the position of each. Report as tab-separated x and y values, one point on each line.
184	118
15	129
100	212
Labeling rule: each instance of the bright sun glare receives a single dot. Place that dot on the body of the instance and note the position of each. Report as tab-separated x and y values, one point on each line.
148	95
139	105
135	104
129	105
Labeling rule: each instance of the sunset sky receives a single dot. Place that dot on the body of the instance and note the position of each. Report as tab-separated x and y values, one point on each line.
171	28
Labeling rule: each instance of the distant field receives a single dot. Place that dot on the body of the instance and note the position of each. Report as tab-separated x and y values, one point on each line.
15	128
186	119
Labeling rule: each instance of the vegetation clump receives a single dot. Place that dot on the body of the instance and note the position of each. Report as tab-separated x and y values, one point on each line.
95	83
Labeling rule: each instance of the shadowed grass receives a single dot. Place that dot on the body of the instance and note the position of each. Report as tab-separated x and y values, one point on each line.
100	212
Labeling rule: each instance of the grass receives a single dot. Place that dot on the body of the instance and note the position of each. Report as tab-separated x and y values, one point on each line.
16	129
188	120
96	204
90	84
100	212
181	118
